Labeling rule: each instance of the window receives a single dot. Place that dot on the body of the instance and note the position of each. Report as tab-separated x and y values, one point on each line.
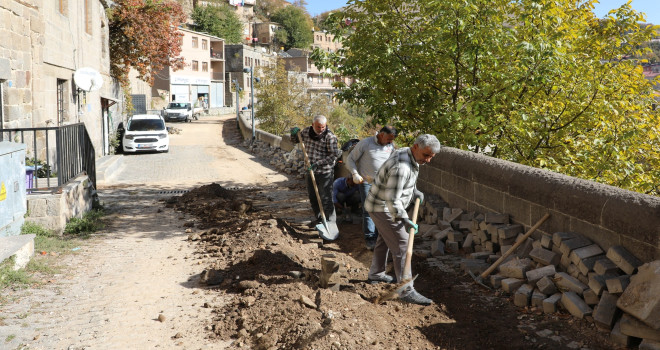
205	66
61	83
194	42
204	44
195	65
88	16
63	6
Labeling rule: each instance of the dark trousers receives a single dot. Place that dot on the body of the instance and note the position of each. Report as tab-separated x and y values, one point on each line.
324	183
351	202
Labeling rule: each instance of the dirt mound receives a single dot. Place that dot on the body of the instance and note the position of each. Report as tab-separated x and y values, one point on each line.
269	269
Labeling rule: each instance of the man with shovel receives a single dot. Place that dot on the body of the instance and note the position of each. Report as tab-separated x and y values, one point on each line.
394	190
321	146
363	162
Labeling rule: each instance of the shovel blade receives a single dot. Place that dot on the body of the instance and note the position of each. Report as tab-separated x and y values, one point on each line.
328	230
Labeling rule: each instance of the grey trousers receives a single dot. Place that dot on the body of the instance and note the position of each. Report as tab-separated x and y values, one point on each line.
392	237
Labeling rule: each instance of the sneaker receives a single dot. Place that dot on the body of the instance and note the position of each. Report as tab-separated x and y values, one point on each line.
384	278
371	243
416	298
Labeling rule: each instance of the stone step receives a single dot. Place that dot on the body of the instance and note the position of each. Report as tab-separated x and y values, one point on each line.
20	247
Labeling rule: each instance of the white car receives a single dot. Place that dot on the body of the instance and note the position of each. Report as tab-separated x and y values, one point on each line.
146	132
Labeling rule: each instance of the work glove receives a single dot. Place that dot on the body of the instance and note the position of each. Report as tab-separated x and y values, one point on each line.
312	167
294	131
418	194
357	179
409	224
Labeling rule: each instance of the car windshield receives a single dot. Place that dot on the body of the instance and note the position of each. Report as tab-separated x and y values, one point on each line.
146	125
177	105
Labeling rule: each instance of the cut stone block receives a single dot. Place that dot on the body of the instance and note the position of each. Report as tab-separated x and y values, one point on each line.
477	267
546	286
648	344
455	236
496	218
510	285
566	283
573	270
550	303
481	256
546	241
575	305
442	235
505	248
536	245
509	231
565	261
585	252
619	338
605	266
465	224
490	246
523	295
623	259
483	236
496	281
544	256
535	275
437	248
587	265
590	297
558	237
451	247
606	312
492	230
582	278
451	214
525	248
516	268
635	328
506	241
21	247
468	240
569	245
642	297
537	298
617	285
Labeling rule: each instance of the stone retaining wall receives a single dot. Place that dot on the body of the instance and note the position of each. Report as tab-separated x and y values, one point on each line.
53	211
607	215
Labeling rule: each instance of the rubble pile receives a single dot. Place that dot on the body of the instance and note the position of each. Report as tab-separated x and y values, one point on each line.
289	162
559	271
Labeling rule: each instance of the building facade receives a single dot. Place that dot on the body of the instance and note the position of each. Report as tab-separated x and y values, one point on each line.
43	45
202	80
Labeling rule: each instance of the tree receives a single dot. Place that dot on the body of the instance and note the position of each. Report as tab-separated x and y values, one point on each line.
298	27
219	20
538	82
144	36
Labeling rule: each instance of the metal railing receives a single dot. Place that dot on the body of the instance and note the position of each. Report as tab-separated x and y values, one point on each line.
56	153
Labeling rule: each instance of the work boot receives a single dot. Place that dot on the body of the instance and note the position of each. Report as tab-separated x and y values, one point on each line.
382	278
415	298
371	243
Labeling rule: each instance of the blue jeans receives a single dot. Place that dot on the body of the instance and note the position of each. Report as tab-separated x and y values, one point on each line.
368	227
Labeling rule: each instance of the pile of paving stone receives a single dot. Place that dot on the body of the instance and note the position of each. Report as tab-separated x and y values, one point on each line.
289	162
559	271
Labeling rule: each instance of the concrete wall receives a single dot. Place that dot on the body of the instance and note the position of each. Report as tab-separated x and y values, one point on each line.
53	211
605	214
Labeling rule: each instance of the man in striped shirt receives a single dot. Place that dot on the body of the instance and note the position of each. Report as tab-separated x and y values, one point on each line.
322	150
392	192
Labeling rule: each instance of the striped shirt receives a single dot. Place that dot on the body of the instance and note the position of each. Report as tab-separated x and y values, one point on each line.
393	187
322	150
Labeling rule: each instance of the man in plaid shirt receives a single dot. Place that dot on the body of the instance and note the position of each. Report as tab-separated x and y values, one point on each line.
322	150
392	192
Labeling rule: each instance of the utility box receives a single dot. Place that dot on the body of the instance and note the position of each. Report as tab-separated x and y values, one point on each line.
13	205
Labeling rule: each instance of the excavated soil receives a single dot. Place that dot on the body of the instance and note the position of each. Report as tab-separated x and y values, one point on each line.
258	253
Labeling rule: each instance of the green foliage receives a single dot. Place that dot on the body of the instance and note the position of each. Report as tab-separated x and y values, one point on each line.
298	27
219	20
88	224
43	169
144	36
538	82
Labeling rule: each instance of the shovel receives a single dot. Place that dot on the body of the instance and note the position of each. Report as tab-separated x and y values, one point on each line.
406	267
480	279
328	230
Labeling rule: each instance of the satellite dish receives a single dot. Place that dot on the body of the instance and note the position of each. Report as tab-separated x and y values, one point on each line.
88	79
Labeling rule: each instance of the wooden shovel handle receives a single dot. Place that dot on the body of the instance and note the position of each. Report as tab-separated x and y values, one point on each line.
411	239
516	245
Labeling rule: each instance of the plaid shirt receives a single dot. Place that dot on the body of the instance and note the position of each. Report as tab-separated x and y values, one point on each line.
393	187
323	152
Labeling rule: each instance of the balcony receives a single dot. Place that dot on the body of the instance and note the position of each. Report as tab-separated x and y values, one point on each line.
217	55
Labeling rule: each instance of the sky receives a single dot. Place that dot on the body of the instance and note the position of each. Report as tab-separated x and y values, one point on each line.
650	7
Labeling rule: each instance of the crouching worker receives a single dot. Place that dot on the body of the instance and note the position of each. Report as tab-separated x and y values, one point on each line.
394	189
346	197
